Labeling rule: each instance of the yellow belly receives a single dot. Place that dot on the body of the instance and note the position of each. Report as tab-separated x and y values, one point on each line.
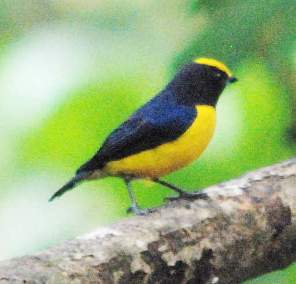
170	156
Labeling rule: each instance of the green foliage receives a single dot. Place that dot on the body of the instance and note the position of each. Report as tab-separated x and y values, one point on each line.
239	30
78	126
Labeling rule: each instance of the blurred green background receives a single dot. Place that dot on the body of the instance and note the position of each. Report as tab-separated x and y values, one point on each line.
71	71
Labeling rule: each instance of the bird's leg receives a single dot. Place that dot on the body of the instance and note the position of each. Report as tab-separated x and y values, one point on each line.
181	192
135	207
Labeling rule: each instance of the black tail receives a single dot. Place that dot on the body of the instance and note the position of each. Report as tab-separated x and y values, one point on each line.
70	184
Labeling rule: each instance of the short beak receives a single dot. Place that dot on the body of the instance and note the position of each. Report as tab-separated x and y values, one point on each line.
232	79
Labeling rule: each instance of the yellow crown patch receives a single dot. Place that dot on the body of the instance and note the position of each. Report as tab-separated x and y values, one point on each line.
214	63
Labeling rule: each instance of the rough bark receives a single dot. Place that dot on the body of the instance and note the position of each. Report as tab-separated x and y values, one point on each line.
246	228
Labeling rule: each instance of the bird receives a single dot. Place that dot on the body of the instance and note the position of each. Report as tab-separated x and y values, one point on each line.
164	135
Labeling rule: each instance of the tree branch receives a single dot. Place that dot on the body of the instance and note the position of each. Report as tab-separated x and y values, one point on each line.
246	228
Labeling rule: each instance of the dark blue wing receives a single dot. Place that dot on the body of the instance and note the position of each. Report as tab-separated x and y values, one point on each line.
157	122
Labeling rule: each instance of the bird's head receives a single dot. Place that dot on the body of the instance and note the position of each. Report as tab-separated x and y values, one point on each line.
202	81
215	69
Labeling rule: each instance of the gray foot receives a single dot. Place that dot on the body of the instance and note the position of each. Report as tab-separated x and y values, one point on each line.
189	196
139	211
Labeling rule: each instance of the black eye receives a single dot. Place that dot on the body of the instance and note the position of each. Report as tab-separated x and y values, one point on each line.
218	75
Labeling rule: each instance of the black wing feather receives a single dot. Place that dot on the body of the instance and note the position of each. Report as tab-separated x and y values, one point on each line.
155	123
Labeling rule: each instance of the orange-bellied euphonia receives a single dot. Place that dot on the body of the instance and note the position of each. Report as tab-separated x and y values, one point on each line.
164	135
